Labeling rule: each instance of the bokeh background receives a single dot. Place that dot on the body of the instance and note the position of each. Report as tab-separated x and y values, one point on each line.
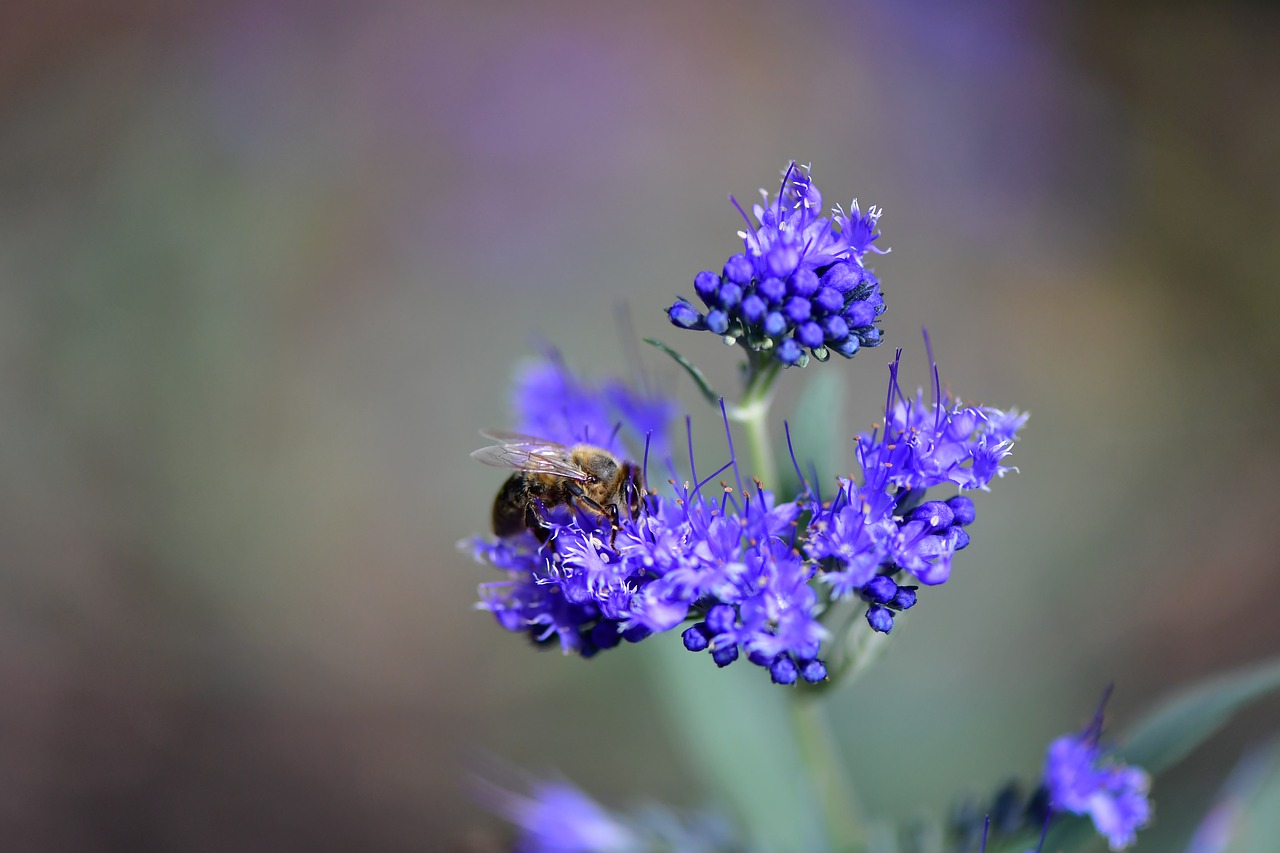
266	267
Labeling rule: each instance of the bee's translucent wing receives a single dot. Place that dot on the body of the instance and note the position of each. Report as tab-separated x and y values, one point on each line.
539	457
509	437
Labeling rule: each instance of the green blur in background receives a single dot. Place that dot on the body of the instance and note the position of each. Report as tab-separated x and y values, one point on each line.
266	268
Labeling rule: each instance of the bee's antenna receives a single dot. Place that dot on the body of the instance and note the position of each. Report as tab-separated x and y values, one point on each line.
644	467
614	435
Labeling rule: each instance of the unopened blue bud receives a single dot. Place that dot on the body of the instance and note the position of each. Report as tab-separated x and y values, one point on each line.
848	347
725	655
684	316
718	321
775	324
963	508
804	282
960	538
905	599
870	336
696	637
783	670
753	308
936	514
772	289
859	314
829	299
730	295
813	671
797	309
835	327
707	284
738	270
880	589
880	619
843	276
789	351
809	334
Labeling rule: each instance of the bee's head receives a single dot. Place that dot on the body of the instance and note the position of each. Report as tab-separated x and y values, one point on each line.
599	464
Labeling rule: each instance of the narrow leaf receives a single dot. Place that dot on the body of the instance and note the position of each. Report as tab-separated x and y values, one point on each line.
818	432
1182	723
1245	818
694	373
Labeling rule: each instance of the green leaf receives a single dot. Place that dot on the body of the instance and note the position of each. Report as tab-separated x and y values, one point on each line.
694	373
818	432
1245	817
1251	802
734	728
1183	722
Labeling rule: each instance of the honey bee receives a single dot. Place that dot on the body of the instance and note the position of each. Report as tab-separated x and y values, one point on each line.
548	474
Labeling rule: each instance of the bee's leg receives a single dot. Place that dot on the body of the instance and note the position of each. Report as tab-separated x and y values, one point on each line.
586	502
535	520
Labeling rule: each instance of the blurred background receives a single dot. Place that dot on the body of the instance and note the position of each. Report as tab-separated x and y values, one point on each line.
265	269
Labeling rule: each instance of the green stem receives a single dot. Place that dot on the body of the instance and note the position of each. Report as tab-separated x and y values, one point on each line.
817	750
835	793
752	411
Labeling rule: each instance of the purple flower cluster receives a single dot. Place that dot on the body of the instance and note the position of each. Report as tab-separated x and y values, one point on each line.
801	283
1080	780
557	817
554	404
730	561
740	565
871	532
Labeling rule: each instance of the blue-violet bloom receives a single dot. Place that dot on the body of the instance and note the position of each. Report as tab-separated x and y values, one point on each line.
737	564
1082	780
800	286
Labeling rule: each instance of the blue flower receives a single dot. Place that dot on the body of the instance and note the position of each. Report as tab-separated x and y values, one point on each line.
943	442
737	568
684	555
1080	779
559	818
874	530
550	402
800	283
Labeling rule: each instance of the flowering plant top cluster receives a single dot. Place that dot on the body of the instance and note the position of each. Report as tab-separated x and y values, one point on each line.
595	552
800	287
